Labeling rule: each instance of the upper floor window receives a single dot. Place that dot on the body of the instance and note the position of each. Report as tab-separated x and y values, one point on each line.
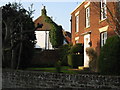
103	10
87	17
103	37
77	23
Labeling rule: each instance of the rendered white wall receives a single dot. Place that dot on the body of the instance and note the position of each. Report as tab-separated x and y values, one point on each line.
43	40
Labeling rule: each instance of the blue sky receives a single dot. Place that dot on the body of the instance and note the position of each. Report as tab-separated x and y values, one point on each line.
60	11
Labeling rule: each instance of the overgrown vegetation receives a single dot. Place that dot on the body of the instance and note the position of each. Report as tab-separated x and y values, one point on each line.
55	34
109	60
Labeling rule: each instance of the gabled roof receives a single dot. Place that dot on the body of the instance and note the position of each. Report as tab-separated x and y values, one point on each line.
84	1
41	20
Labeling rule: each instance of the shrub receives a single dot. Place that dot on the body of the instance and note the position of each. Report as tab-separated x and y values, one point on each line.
58	66
63	52
76	57
93	58
109	59
75	60
77	48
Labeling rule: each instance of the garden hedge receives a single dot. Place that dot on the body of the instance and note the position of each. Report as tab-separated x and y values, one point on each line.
77	48
75	60
63	52
109	59
76	55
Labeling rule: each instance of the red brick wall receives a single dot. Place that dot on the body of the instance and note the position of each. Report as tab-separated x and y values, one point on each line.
95	23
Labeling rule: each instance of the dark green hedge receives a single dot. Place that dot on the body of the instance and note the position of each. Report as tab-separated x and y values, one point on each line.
109	59
63	52
75	60
76	55
77	48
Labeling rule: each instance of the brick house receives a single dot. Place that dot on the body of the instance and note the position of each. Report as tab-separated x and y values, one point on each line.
92	23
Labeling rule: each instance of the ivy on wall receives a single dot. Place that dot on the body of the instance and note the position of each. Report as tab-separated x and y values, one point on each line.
56	34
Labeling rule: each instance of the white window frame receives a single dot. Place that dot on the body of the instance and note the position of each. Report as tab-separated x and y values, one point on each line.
103	10
103	38
76	41
77	23
87	10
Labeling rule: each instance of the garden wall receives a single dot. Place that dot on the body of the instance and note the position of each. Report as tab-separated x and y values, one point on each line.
35	79
45	58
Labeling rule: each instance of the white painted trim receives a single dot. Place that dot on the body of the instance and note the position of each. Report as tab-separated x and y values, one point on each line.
77	13
76	38
86	45
86	5
78	6
103	29
86	33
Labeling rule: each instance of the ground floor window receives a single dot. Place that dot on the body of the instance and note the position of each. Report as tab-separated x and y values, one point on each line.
103	37
76	41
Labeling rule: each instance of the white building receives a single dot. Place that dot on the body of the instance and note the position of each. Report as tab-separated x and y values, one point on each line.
42	34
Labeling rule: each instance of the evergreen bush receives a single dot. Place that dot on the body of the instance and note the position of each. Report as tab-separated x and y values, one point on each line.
109	59
76	56
77	48
58	66
63	52
75	60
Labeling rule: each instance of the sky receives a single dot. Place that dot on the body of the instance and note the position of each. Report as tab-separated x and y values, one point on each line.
59	11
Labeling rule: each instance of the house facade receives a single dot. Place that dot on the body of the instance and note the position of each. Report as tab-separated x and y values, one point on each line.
42	34
92	23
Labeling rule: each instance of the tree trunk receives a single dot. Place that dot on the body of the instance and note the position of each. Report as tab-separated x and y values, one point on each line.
13	60
20	50
13	54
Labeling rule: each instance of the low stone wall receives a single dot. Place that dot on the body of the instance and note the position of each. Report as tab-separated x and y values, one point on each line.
35	79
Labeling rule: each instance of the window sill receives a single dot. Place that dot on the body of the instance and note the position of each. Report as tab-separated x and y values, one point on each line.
102	20
87	27
76	32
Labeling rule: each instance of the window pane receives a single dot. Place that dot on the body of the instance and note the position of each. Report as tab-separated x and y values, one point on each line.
105	37
77	23
101	39
103	9
88	17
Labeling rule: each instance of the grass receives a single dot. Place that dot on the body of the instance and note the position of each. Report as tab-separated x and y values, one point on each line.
48	68
64	69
